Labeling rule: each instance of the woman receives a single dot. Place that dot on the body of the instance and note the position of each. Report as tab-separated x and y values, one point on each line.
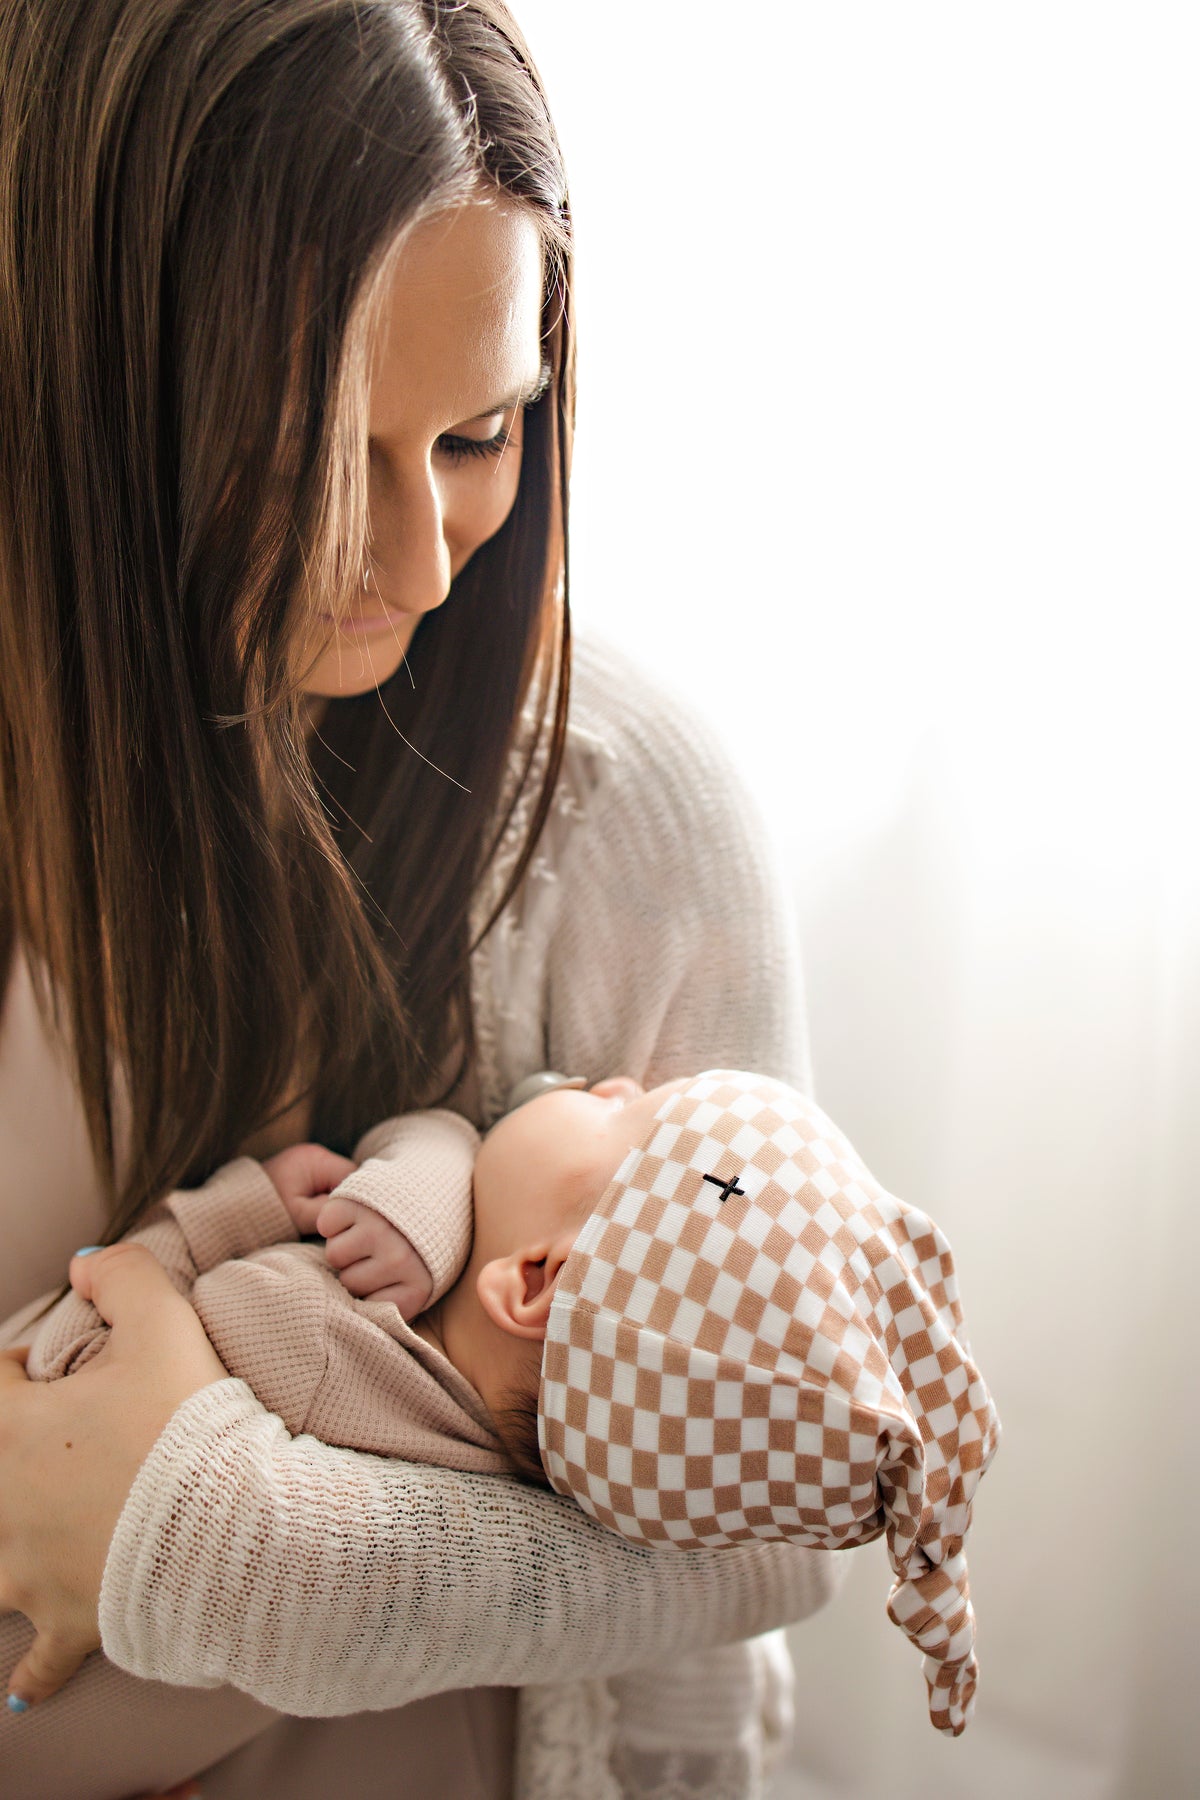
292	845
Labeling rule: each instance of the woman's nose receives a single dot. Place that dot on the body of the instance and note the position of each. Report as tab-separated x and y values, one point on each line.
410	558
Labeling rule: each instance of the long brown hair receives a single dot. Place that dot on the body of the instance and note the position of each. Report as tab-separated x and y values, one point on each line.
198	202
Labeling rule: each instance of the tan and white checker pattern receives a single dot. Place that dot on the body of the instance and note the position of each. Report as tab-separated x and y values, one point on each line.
750	1339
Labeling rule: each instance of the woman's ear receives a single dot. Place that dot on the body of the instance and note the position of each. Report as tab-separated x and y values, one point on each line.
516	1291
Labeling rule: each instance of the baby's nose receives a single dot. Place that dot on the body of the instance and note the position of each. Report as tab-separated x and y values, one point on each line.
617	1087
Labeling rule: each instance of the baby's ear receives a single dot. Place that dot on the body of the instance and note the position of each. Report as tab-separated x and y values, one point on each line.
516	1291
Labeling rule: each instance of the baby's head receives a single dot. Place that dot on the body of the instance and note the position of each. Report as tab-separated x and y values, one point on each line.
710	1325
539	1175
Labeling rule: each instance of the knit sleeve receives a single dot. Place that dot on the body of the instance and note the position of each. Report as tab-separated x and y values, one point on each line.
416	1172
371	1583
235	1211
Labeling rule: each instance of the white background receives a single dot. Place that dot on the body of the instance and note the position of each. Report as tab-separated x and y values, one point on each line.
888	455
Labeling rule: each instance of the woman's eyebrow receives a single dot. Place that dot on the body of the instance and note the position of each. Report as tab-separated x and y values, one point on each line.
527	395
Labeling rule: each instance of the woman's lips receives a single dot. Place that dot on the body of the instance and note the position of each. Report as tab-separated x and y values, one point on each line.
368	624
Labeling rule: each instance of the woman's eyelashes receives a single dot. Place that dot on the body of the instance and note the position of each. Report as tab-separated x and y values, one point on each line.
456	448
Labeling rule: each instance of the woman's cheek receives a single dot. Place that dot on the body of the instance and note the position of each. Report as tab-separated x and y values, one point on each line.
484	508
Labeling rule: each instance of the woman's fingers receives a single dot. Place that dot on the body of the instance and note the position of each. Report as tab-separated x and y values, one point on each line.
47	1665
70	1451
130	1290
123	1282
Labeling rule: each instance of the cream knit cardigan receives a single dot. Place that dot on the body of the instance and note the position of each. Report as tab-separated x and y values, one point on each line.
648	937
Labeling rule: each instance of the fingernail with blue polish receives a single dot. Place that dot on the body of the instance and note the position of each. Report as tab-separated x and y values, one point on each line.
89	1250
17	1705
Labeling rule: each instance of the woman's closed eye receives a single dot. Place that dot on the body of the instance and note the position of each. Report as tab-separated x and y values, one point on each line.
456	448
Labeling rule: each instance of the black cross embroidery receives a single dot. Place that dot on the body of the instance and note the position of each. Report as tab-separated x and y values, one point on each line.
726	1187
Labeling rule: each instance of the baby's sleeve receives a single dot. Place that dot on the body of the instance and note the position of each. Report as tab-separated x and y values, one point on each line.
72	1332
235	1211
416	1173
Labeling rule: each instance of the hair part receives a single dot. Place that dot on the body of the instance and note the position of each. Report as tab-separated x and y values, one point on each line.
199	200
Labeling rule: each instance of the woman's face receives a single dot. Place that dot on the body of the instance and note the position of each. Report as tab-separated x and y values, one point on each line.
458	356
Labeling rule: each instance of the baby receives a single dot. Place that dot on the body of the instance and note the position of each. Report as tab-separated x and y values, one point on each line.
690	1309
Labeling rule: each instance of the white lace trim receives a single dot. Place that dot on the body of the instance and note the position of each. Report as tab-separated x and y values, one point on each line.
564	1736
566	1750
686	1775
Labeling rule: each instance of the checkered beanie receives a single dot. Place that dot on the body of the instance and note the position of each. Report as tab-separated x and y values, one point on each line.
750	1339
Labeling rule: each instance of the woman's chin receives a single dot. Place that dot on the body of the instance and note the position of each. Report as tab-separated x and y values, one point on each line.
347	669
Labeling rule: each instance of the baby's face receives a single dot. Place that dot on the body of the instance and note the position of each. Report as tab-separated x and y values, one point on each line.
543	1168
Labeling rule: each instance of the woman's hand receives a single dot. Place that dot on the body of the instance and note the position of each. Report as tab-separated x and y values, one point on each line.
70	1450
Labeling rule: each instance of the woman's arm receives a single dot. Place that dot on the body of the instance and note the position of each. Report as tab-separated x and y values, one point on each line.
674	945
316	1580
371	1583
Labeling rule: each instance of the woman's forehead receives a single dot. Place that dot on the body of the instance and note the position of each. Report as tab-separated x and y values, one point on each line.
459	327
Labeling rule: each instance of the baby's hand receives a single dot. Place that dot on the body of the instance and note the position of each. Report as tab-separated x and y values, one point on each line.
374	1261
303	1177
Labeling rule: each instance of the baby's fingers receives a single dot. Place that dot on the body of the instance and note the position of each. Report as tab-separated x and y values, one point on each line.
364	1279
410	1298
348	1246
334	1216
304	1211
47	1665
326	1168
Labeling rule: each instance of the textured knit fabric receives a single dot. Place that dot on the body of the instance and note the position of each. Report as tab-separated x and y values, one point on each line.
750	1339
351	1372
729	1717
322	1581
416	1172
354	1373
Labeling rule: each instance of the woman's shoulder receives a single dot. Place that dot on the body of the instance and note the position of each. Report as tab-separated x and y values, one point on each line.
636	741
643	773
650	909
